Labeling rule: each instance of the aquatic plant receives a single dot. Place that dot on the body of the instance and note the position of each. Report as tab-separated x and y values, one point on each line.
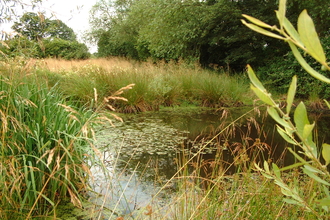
46	145
156	85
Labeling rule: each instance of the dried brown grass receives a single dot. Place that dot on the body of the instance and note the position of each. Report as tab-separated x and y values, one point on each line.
107	64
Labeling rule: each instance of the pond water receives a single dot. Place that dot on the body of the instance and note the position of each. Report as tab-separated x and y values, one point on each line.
141	154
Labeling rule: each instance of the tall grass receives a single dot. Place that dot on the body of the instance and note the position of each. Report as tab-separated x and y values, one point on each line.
45	144
156	85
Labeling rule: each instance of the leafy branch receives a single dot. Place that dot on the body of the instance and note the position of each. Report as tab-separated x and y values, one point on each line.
299	131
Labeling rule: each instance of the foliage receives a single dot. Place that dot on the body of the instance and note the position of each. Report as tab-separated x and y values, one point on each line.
64	49
299	131
21	47
169	84
57	48
40	37
44	142
37	27
47	143
279	71
208	32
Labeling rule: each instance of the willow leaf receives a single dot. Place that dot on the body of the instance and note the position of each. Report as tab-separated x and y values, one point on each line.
326	153
291	94
274	114
285	136
276	170
263	96
293	33
254	79
306	66
309	37
257	21
281	12
315	177
262	31
300	118
307	132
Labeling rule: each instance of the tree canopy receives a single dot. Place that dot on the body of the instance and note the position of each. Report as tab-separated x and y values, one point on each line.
36	27
43	37
207	31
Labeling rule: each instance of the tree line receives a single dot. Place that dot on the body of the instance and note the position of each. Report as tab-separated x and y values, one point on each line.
39	37
207	32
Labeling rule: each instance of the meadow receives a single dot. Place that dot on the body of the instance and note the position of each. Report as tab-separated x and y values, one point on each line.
49	111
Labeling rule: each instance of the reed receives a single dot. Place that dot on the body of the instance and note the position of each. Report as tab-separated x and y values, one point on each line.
45	143
156	85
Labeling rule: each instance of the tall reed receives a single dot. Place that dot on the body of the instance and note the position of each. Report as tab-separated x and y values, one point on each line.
45	143
156	85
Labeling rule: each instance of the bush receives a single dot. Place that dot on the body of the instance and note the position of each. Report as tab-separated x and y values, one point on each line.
56	48
64	49
21	46
277	74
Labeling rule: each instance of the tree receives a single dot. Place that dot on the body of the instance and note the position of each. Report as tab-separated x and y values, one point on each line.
205	31
37	27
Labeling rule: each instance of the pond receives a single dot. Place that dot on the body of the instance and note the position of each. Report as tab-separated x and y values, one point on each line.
142	153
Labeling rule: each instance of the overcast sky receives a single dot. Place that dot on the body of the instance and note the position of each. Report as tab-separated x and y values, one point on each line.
74	13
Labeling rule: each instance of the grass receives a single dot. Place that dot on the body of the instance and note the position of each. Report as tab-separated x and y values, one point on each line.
156	85
46	145
48	109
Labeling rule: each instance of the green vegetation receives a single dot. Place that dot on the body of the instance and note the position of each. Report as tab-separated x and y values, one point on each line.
47	115
299	132
207	32
155	85
46	145
40	37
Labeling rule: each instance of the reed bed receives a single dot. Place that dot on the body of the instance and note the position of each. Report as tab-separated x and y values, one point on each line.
46	145
156	84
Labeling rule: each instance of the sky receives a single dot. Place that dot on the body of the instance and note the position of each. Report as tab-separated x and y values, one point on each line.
74	13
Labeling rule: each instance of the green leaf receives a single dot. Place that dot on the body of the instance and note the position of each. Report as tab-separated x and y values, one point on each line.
263	96
300	118
274	114
281	12
285	136
266	167
291	201
291	94
307	133
313	169
254	79
290	167
267	175
326	153
297	156
292	32
276	170
309	37
324	201
326	102
315	177
261	30
306	66
257	21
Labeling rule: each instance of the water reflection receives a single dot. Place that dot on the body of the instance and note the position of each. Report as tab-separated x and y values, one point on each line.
142	152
